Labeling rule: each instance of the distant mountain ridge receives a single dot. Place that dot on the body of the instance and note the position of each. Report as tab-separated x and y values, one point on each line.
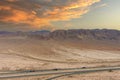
79	34
87	34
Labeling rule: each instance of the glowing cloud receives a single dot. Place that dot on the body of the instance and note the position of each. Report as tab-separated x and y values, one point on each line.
42	12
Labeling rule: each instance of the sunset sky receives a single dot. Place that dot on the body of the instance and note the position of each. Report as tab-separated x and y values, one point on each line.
59	14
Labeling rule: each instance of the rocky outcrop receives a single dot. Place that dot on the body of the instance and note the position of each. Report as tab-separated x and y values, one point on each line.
84	34
79	34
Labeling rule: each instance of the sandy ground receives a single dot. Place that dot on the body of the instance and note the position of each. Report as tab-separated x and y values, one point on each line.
23	54
14	56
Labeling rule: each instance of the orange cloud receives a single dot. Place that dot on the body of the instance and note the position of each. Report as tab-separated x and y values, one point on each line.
19	16
11	0
41	13
5	8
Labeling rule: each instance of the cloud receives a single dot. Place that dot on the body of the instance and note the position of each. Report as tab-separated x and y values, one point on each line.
42	12
11	0
101	5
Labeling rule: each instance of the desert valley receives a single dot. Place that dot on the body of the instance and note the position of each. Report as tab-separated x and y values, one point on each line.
59	39
60	49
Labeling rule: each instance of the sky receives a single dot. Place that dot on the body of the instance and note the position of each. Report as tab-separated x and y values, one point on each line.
16	15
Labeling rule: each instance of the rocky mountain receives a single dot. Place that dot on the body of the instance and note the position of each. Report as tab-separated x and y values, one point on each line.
84	34
78	34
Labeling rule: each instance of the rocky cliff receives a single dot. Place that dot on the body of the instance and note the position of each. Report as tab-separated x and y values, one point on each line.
80	34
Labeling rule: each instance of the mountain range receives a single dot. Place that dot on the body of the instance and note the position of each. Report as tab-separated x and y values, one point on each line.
78	34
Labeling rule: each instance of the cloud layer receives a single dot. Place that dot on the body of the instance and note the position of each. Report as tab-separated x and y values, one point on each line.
42	12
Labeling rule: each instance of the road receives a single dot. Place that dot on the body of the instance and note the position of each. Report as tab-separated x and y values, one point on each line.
60	72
